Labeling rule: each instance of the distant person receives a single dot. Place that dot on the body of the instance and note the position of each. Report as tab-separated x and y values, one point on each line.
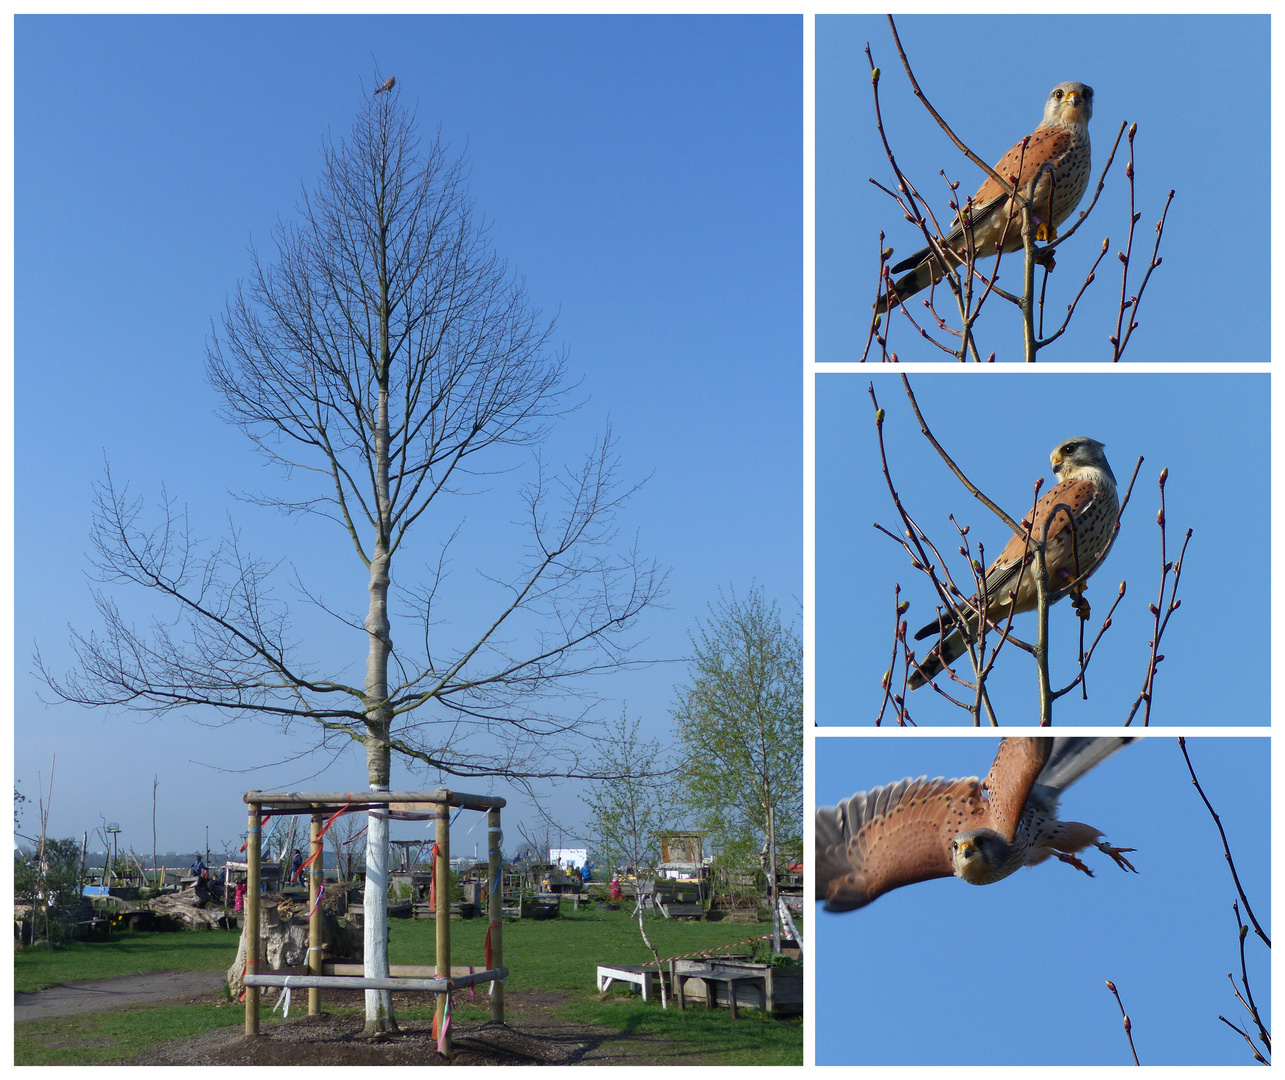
296	864
614	889
586	872
199	869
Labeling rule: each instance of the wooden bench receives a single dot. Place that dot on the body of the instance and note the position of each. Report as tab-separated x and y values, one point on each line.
637	975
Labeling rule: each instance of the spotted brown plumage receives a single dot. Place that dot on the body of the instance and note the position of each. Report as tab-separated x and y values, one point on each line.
1081	513
981	831
388	85
1054	158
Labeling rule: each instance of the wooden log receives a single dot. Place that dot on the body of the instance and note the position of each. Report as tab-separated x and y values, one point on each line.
252	853
338	982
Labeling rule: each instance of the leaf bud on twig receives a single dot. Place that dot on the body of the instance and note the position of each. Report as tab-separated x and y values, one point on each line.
874	75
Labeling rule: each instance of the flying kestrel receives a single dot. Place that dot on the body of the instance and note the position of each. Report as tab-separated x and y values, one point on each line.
1055	160
981	831
1081	511
387	86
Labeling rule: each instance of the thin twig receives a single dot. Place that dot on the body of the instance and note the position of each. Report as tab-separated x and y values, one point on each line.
1128	1024
914	85
1231	863
1250	1005
1146	694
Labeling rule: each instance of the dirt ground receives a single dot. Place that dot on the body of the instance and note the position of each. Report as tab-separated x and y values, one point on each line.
533	1035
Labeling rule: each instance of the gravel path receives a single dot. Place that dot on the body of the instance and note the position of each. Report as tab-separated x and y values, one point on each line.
100	995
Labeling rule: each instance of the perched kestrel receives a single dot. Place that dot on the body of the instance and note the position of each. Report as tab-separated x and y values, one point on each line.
1055	160
981	831
1082	512
387	86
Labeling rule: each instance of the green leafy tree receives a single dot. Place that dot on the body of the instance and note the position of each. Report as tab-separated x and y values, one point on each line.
52	885
739	722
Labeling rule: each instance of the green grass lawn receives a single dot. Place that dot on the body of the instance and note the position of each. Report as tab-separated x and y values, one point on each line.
108	1037
564	953
555	954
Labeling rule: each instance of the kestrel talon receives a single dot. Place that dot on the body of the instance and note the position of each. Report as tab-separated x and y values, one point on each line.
1081	513
1052	168
978	830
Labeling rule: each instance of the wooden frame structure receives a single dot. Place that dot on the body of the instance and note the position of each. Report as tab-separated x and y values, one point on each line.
402	806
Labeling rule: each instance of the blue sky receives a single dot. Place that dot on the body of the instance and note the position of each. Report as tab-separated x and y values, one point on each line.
1198	88
1212	432
644	177
1030	954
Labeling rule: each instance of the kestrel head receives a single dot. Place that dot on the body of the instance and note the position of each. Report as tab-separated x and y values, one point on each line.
1070	104
1080	458
979	856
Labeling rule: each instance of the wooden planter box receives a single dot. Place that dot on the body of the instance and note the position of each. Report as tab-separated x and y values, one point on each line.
736	983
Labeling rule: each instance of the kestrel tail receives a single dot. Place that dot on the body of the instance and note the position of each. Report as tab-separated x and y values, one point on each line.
387	85
1052	168
1081	512
981	831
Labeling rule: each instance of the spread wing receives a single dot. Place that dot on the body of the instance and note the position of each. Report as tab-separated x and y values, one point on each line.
892	836
1017	765
1077	495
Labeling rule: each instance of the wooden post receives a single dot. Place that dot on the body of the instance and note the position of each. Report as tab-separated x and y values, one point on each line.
316	882
252	949
495	909
442	875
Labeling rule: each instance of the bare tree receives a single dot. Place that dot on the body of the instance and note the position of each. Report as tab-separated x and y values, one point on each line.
629	808
382	349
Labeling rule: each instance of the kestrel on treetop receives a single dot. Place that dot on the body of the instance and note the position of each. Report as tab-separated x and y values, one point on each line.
981	831
1082	512
1055	160
387	86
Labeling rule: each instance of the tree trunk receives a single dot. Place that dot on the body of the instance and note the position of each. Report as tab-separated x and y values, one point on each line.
379	1006
771	889
660	974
